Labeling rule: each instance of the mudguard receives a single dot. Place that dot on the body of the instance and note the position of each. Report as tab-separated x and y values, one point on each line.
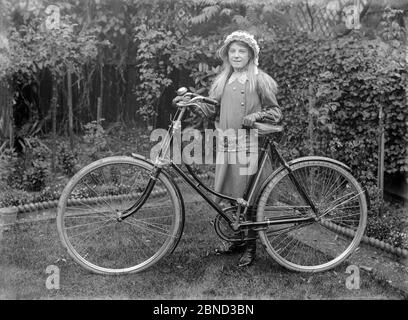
304	159
143	158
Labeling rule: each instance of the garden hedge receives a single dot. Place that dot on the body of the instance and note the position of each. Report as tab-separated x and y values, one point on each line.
331	92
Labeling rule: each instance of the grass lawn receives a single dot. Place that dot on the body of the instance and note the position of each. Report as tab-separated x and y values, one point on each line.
193	271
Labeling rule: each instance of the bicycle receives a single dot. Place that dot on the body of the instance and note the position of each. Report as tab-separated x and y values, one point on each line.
123	214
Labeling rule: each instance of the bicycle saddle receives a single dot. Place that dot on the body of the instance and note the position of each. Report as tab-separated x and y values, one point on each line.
267	128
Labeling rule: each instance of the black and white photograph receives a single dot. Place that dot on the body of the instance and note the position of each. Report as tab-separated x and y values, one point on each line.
203	157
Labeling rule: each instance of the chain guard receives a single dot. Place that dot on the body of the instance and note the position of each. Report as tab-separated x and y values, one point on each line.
222	228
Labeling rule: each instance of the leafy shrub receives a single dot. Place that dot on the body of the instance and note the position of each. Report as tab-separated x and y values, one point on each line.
49	193
8	161
330	93
15	197
67	159
95	138
34	177
34	167
388	227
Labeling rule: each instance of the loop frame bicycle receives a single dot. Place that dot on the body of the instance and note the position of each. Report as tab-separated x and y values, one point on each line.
123	214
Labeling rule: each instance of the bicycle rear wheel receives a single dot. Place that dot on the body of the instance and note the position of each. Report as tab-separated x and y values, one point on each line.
88	209
333	234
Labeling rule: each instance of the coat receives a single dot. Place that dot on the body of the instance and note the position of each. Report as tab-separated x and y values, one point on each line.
237	101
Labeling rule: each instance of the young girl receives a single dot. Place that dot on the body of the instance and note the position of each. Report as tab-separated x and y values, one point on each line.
246	94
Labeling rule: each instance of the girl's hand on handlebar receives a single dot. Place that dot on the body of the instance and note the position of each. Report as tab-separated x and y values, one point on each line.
179	99
249	120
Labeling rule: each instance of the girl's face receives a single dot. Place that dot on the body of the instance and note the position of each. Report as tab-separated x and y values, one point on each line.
238	55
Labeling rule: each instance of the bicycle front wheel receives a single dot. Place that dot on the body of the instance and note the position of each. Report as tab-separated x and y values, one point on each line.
89	206
335	231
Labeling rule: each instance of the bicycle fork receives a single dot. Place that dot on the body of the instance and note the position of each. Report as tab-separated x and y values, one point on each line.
176	125
141	201
298	186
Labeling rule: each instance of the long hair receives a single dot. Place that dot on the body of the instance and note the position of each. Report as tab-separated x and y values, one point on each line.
257	80
267	87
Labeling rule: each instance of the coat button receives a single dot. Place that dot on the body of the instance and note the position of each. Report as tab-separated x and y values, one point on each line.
242	103
242	91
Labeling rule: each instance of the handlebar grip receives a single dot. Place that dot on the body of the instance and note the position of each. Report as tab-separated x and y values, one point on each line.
210	101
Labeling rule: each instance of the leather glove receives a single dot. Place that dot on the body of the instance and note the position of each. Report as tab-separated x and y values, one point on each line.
273	115
250	119
206	110
178	99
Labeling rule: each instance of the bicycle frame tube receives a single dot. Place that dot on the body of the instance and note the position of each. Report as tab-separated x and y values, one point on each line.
196	184
303	193
196	187
175	125
200	184
250	189
158	167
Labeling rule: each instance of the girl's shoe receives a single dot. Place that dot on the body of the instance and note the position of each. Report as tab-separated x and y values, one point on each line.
248	256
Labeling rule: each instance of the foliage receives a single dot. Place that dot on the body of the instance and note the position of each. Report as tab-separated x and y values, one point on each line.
95	138
35	165
8	160
153	51
389	226
32	47
26	132
337	87
15	197
49	193
29	172
67	159
164	38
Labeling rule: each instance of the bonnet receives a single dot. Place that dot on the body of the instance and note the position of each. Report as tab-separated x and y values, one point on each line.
242	36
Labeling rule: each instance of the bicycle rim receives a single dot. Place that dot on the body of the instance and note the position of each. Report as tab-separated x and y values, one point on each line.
89	206
326	241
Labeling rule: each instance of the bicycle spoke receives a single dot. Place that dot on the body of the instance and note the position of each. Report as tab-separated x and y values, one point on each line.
329	191
313	246
86	224
87	217
155	225
79	234
102	198
148	229
326	212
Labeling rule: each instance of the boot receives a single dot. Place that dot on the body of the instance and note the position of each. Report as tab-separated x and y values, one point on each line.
234	247
248	256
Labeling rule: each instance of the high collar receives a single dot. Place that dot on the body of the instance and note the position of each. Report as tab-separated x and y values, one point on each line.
241	76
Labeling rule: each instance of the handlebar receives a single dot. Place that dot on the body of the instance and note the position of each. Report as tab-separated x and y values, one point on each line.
263	128
196	97
210	101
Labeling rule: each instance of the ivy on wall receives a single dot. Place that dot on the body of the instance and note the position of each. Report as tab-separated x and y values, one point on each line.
337	87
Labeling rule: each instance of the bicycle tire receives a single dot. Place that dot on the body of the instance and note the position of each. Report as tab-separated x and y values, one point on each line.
87	216
335	232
